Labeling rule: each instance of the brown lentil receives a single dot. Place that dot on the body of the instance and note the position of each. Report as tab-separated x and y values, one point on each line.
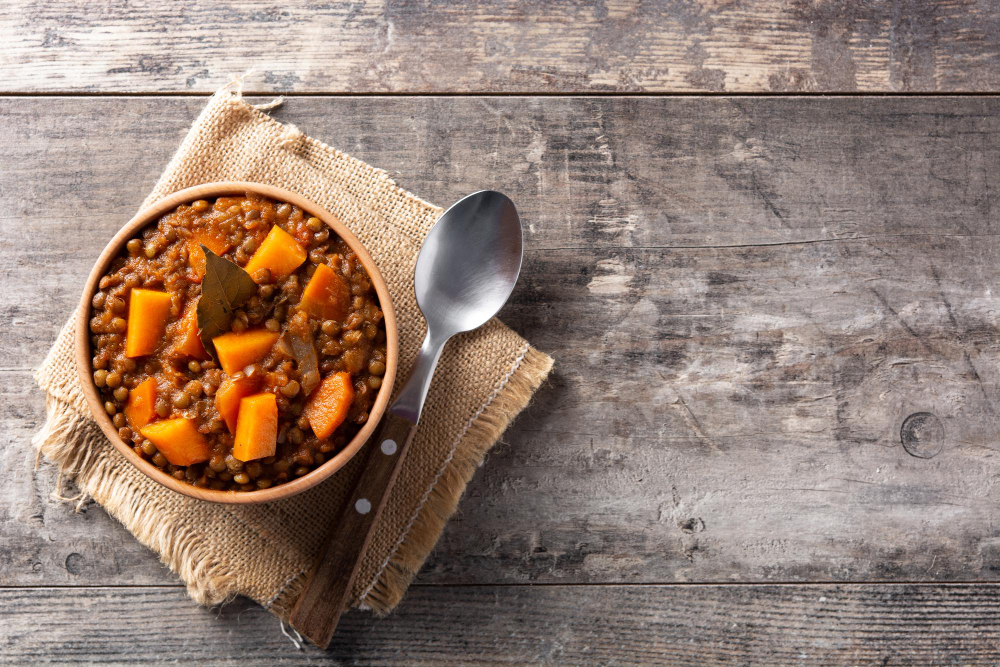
162	407
233	464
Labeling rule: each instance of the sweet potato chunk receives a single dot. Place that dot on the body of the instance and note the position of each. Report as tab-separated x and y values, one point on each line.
279	252
326	296
213	240
178	440
140	408
256	428
229	395
327	407
187	340
147	319
237	350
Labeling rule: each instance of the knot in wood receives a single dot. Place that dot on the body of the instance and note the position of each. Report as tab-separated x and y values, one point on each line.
922	435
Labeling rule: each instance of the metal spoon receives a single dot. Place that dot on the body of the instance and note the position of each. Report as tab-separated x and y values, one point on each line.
465	272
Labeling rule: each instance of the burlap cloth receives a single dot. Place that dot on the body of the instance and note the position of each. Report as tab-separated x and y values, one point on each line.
262	551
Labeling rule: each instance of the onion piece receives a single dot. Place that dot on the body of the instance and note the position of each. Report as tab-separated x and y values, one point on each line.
300	339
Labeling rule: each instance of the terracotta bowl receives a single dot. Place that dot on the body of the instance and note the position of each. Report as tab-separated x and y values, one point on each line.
83	348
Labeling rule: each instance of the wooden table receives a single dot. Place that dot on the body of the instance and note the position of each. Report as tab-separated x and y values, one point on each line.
771	432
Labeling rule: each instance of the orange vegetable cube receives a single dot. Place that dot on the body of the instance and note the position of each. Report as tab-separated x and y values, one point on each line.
187	340
148	312
326	296
279	252
238	350
140	408
213	240
328	405
256	428
229	395
178	440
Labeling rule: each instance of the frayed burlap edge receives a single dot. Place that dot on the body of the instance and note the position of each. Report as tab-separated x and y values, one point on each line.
441	499
79	449
75	444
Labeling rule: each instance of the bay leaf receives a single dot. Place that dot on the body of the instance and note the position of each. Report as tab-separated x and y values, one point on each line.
224	289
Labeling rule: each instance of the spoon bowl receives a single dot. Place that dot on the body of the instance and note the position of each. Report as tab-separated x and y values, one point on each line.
469	263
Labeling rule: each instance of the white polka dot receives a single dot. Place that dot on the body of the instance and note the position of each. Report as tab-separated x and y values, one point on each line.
363	506
389	447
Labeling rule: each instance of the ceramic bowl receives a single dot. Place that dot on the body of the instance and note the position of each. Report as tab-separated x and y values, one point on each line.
96	403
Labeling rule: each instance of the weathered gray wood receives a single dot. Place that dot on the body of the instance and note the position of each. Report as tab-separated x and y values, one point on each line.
811	625
43	542
746	300
510	46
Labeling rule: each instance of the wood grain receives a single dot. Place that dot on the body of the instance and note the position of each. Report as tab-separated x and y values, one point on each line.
412	46
747	299
327	591
773	319
679	625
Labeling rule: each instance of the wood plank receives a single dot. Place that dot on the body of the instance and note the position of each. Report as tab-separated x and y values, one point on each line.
747	300
412	46
44	542
683	625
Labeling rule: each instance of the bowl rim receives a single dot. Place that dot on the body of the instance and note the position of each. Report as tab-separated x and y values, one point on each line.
83	357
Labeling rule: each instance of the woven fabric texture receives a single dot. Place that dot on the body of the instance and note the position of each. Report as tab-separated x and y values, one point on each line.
483	380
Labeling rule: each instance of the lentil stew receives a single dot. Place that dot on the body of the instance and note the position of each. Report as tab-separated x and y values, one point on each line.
284	389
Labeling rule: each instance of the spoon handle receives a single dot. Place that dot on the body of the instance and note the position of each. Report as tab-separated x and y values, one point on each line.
328	587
